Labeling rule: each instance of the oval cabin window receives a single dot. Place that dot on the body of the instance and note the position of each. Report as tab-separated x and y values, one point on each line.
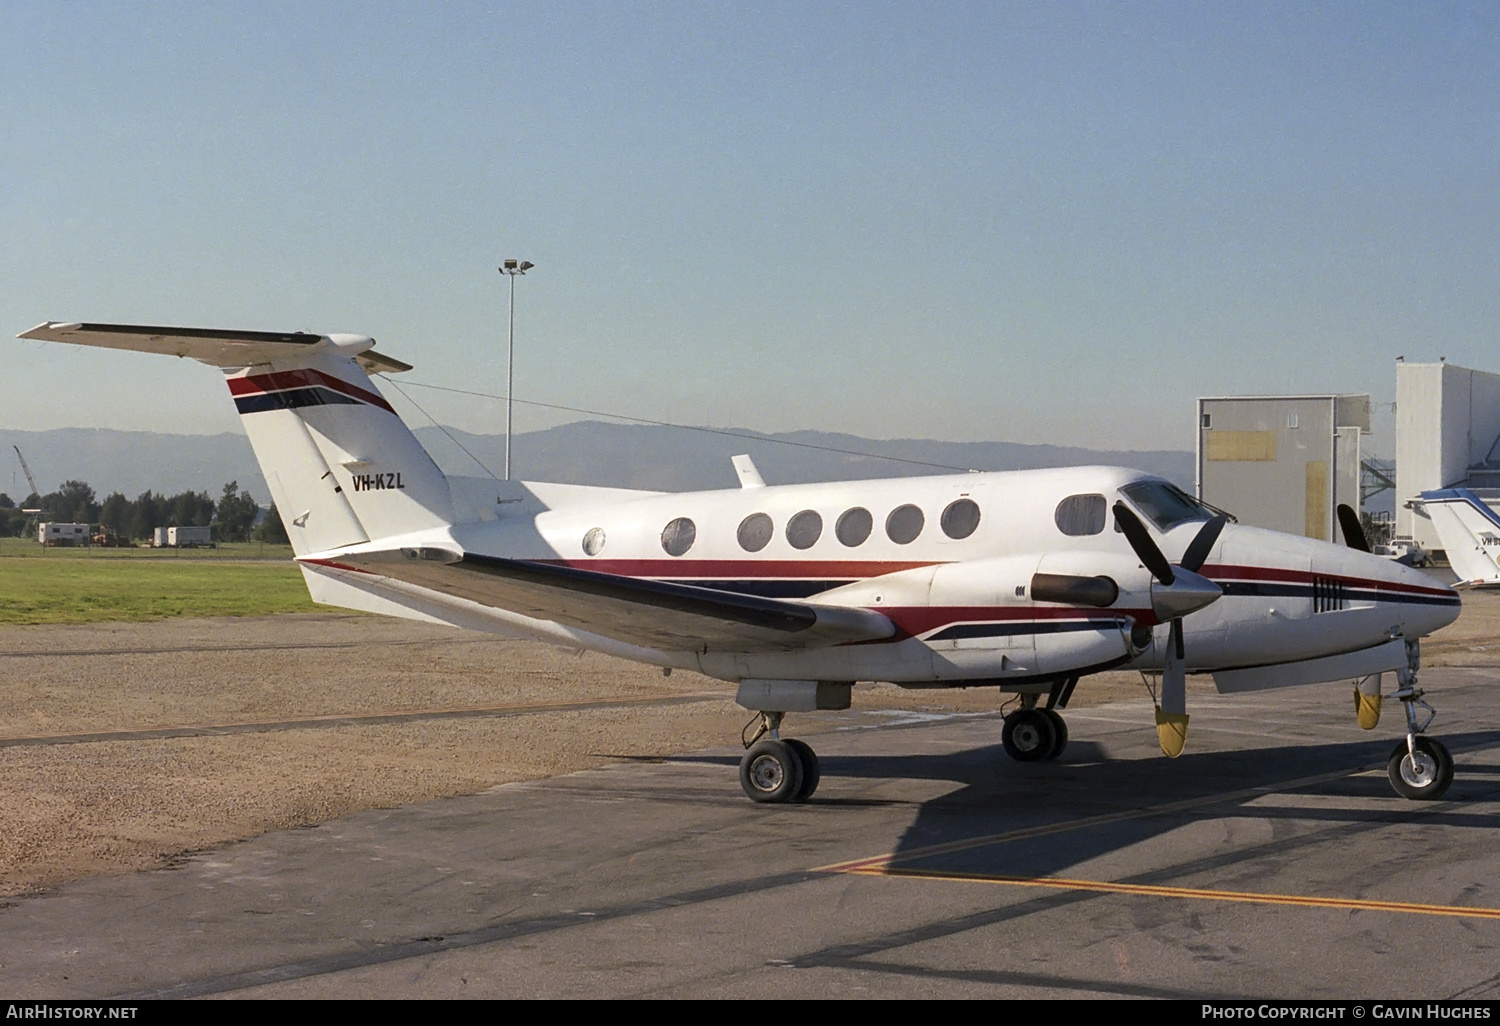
854	526
904	524
755	532
678	536
1080	515
593	542
961	518
804	529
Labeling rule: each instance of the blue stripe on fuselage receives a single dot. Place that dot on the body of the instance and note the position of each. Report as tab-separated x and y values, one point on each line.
292	399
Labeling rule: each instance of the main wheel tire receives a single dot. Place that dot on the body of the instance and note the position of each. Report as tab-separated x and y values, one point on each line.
1028	735
811	771
1425	779
1060	726
771	772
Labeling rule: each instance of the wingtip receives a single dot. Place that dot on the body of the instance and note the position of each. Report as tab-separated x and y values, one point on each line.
48	328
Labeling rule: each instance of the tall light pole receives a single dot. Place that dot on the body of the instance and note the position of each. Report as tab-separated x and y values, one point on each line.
511	268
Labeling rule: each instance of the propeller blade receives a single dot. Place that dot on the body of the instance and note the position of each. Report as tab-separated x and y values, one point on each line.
1149	555
1203	543
1171	716
1074	591
1354	532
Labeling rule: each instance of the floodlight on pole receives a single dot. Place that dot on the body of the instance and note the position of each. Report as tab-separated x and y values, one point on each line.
512	268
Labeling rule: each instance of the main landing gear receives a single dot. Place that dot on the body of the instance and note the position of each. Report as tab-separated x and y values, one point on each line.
776	769
1420	767
1033	734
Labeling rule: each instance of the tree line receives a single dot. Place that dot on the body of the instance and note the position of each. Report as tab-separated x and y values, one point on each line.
233	517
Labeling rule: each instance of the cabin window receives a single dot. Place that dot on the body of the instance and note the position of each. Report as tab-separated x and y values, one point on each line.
1080	515
854	526
904	524
755	532
678	536
804	529
593	542
960	519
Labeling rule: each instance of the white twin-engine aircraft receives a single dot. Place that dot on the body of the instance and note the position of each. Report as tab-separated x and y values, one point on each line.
1024	581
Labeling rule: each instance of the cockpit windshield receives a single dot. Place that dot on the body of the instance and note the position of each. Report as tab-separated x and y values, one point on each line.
1165	505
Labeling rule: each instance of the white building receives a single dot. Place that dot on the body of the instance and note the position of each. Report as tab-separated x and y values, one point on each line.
1447	435
1282	462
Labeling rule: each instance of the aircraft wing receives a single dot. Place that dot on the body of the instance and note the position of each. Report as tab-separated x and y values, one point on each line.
215	346
654	614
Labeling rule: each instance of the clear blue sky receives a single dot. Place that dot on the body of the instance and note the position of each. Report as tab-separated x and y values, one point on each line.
1029	222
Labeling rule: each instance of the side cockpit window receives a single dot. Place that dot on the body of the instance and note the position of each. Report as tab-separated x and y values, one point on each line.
1080	515
1165	505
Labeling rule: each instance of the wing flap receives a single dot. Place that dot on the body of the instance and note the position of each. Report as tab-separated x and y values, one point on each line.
656	614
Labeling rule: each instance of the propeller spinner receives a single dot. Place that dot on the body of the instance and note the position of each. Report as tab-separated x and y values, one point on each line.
1177	591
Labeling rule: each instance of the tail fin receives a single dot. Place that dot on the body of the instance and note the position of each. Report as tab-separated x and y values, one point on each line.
1470	532
342	466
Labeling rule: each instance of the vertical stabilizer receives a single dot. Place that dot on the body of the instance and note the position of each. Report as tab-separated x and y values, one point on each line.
342	467
1470	533
371	478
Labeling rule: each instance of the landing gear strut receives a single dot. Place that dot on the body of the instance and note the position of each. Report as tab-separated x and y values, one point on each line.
1420	768
776	769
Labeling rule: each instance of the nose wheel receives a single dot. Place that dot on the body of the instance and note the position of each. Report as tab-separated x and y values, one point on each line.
1421	772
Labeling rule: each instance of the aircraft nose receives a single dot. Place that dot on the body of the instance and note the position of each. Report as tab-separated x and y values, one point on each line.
1432	604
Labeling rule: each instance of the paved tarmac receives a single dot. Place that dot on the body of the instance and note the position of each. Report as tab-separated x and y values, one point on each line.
1271	860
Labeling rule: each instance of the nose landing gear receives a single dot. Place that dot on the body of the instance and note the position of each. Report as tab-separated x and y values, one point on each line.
1420	768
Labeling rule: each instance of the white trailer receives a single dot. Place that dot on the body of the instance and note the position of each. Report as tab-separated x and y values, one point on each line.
63	535
190	537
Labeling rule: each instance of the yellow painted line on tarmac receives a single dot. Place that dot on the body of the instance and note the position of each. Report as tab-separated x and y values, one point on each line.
1204	894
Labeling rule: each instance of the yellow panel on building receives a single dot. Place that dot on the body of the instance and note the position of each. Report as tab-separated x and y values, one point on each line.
1240	446
1315	511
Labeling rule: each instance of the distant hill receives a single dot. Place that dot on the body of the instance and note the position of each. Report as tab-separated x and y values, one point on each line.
679	459
585	452
130	462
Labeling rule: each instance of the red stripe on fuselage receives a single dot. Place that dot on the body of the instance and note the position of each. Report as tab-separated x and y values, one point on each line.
742	569
258	384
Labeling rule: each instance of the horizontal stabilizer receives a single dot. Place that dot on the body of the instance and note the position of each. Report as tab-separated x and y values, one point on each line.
217	347
654	614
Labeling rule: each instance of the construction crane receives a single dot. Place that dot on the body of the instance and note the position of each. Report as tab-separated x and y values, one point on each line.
29	479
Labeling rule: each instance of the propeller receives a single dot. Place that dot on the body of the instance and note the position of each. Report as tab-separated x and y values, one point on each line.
1354	532
1177	591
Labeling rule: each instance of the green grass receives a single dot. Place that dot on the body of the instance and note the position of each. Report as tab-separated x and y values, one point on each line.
87	586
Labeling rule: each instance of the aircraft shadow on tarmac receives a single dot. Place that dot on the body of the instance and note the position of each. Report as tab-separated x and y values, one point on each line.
1001	801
